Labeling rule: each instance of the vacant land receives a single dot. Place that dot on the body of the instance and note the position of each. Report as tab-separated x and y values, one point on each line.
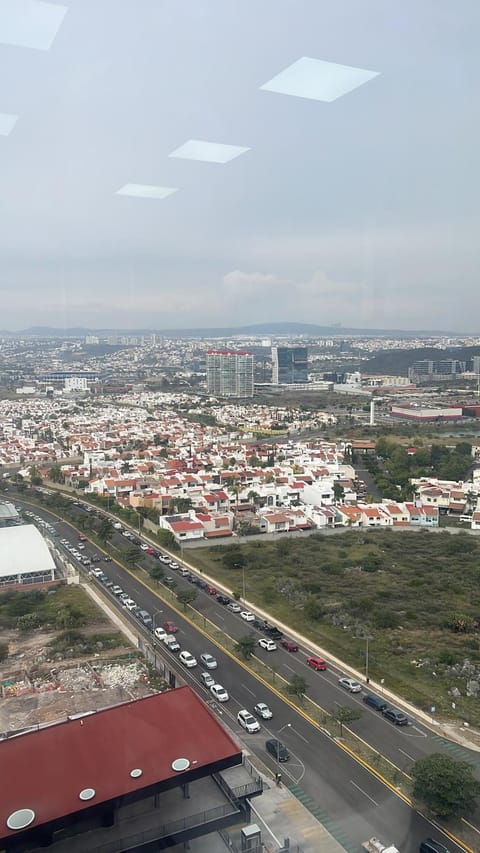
415	594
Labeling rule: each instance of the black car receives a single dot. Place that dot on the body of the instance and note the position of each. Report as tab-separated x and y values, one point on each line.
395	716
223	599
431	846
202	584
375	702
260	624
277	749
273	632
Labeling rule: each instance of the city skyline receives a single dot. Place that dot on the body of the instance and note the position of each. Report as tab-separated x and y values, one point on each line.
320	164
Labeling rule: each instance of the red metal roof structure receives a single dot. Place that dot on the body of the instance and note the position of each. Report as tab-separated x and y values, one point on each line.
71	766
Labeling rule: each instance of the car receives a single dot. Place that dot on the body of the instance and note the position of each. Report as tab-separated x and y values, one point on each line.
107	559
289	645
273	632
219	692
317	663
96	558
210	590
102	577
208	660
263	711
145	617
201	584
160	633
143	546
170	627
278	749
184	572
247	615
247	722
171	642
168	581
117	590
123	596
109	584
223	599
234	607
151	551
187	659
429	845
207	679
174	565
268	645
395	716
350	684
128	603
375	702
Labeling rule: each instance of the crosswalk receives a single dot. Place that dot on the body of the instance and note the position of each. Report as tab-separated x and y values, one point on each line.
332	828
457	751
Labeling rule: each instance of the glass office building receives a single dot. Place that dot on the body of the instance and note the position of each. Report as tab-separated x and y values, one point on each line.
289	365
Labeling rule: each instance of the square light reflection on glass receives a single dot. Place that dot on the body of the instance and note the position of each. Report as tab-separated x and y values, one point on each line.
30	23
7	123
208	152
146	191
318	80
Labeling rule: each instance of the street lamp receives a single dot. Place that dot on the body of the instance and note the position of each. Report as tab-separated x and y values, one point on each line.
154	615
367	639
243	583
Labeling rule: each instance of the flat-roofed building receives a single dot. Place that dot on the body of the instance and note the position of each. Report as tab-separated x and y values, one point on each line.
24	557
144	775
230	373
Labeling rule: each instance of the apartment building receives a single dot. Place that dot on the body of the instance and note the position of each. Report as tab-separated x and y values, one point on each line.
230	373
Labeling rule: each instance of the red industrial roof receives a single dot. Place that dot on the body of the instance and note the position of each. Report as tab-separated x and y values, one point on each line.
47	769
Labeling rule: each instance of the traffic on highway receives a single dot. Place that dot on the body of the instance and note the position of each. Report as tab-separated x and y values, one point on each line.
357	803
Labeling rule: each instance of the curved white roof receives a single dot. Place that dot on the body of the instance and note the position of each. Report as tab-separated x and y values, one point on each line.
23	549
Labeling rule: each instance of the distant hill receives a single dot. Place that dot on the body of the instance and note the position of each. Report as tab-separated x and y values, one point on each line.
284	328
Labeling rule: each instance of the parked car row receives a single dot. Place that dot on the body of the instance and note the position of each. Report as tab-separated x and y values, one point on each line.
393	714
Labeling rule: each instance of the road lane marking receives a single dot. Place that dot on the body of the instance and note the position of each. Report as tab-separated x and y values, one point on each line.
363	792
217	616
406	754
289	667
247	688
299	735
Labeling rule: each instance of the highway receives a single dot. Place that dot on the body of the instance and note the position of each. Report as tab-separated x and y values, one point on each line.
358	804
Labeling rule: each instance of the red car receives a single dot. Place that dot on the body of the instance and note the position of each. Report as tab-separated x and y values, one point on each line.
317	663
170	627
289	645
81	537
151	551
211	590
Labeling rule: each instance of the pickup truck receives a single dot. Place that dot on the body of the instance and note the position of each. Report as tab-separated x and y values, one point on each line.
171	643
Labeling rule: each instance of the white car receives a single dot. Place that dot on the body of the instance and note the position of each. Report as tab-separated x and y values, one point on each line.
171	642
268	645
128	603
207	679
208	661
247	615
160	633
234	607
188	659
263	711
143	546
350	684
219	693
247	722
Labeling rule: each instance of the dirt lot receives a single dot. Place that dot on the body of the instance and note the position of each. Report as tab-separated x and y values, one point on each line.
39	686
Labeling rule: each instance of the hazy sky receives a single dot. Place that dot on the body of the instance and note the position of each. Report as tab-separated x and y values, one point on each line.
362	210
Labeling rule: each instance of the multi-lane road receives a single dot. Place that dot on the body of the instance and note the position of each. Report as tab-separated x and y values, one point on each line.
357	804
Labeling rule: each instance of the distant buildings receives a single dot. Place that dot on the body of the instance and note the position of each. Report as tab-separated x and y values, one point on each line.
447	368
230	373
289	365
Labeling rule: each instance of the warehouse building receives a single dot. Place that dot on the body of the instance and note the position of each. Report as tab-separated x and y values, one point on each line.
24	557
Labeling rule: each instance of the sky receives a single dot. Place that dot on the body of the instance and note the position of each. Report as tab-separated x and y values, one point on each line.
356	203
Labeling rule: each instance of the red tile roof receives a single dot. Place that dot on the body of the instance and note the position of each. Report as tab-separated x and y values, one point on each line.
47	769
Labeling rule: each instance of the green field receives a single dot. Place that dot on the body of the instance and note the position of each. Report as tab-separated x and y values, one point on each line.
416	594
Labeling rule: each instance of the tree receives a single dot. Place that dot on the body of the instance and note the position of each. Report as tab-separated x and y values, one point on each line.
338	492
344	715
3	651
157	573
446	786
105	530
56	474
234	559
246	646
180	505
297	687
186	597
132	555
